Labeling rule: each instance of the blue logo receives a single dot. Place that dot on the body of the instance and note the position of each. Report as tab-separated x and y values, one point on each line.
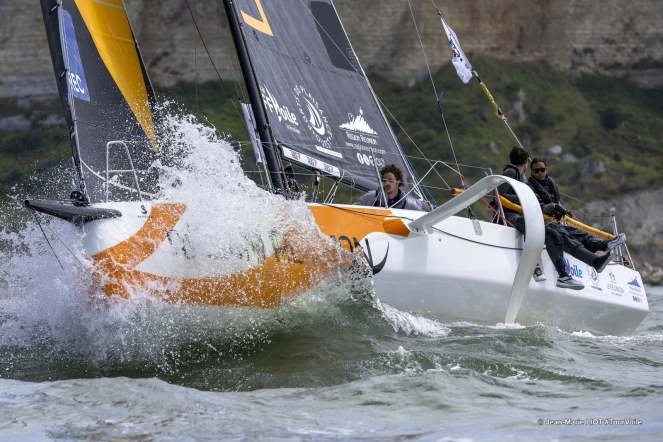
637	299
573	271
635	283
76	74
594	277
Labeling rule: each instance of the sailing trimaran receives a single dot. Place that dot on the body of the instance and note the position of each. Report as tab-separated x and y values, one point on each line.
313	106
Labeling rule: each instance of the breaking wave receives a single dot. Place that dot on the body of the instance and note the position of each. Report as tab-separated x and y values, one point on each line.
50	302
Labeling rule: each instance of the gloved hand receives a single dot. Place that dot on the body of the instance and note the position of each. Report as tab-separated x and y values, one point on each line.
558	213
548	208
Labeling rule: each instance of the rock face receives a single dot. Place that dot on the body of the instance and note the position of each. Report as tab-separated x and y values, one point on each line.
610	37
640	216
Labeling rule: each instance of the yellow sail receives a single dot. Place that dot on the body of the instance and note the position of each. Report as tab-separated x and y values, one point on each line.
109	27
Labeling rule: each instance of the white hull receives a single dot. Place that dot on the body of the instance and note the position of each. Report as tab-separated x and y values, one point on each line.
423	263
458	274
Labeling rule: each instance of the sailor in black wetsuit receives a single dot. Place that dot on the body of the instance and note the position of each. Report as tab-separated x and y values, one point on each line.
519	158
577	243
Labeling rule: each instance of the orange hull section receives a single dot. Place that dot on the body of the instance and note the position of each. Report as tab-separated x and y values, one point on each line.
294	268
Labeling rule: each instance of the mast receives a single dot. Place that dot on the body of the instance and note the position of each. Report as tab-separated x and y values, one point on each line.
256	100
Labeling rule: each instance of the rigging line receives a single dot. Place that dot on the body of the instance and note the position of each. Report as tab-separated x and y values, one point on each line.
439	106
97	282
512	133
437	98
485	90
590	205
56	235
212	61
362	73
232	61
410	138
34	212
498	112
416	174
461	165
195	56
422	178
422	48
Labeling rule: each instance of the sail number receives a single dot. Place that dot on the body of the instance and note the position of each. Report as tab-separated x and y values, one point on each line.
261	24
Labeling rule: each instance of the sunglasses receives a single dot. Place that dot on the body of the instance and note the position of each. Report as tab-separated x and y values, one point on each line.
541	170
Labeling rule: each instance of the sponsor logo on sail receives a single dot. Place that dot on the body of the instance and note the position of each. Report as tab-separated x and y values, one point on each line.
612	286
281	111
313	115
594	278
76	73
328	152
368	160
313	162
357	129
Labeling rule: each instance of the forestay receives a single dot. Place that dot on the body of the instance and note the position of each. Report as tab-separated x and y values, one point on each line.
106	96
319	103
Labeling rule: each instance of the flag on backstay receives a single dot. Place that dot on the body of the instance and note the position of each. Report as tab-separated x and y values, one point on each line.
459	60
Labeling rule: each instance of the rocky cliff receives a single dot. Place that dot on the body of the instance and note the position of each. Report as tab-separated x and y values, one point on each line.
640	216
608	37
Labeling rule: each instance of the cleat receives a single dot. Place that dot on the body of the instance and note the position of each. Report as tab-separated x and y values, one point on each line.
615	242
566	282
538	274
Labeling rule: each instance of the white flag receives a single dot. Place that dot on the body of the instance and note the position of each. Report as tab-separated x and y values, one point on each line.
459	60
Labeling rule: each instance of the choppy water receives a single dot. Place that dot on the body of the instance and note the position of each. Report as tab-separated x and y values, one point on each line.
334	365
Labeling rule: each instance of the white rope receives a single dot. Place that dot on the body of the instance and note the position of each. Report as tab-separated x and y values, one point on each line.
453	151
420	180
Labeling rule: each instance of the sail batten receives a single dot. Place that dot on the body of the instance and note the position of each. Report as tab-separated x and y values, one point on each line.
315	95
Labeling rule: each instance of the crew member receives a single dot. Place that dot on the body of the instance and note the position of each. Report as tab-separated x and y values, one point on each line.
577	243
392	181
519	158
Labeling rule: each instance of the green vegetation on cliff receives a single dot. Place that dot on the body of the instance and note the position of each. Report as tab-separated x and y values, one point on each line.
610	131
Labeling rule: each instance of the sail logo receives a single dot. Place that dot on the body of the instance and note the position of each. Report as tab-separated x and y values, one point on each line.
357	129
75	74
282	112
368	160
313	116
636	298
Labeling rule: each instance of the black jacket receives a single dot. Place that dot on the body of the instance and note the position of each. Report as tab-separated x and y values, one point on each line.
505	190
545	190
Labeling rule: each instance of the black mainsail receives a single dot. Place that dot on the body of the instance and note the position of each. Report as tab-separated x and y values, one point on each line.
319	105
106	96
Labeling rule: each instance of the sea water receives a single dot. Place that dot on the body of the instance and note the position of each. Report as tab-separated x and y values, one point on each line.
336	364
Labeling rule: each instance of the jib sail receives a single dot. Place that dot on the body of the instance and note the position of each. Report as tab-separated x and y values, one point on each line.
106	95
320	106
